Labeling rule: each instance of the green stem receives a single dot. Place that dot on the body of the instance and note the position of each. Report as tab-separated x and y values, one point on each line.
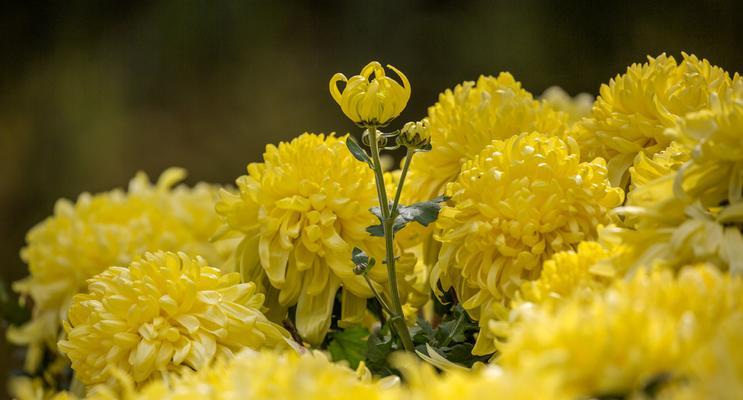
396	317
403	174
378	295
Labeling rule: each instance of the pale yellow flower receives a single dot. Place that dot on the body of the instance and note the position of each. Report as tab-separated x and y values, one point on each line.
84	238
163	312
513	206
371	101
574	107
266	375
422	382
468	118
301	212
622	339
634	109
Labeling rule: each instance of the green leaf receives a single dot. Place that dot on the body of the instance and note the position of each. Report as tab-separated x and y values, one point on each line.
378	353
423	213
349	344
357	152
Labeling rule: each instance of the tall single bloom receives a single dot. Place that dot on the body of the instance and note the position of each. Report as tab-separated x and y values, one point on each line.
300	213
371	98
634	109
84	238
161	313
513	206
468	118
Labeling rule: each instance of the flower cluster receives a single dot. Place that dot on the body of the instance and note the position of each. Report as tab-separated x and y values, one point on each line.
84	238
634	110
162	312
526	248
622	340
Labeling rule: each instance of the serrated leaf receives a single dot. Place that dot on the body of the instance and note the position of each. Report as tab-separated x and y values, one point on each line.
349	344
357	152
424	212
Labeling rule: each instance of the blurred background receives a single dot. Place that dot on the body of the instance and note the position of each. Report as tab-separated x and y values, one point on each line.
93	91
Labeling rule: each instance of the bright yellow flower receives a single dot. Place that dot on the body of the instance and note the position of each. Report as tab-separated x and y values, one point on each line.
715	174
513	206
301	212
629	335
468	118
634	109
574	107
583	272
371	101
159	314
266	375
82	239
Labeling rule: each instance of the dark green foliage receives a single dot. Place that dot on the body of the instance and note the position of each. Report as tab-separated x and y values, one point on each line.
349	344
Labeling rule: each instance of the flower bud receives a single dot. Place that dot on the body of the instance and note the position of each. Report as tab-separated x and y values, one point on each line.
371	101
415	135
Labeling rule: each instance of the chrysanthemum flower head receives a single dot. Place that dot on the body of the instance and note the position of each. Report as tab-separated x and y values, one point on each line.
621	340
161	313
371	101
585	271
714	176
634	109
513	206
468	118
84	238
301	212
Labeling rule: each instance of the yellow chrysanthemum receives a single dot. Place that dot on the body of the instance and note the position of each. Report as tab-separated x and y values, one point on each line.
517	203
265	375
159	314
714	175
582	272
301	212
84	238
634	109
371	101
627	337
575	108
468	118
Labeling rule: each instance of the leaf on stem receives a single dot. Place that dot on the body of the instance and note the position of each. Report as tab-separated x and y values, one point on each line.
357	152
423	213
